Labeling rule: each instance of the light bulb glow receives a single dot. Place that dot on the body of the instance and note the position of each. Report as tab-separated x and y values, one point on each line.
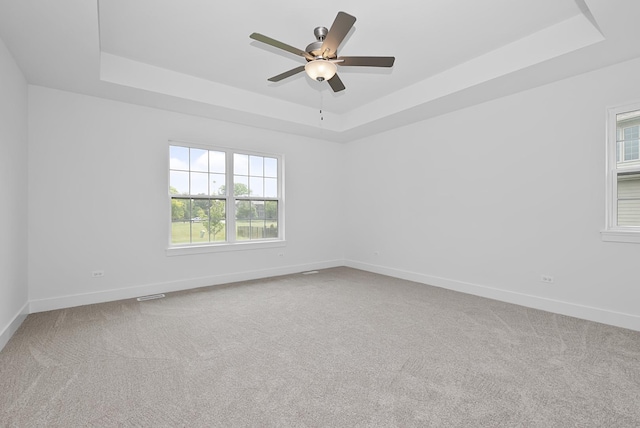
320	69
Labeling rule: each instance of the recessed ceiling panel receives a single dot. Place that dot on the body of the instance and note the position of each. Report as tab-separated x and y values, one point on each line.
210	40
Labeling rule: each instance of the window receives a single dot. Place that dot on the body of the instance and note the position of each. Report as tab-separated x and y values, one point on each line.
223	196
623	174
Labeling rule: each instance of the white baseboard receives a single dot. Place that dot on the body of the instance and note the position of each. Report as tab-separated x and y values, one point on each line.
617	319
565	308
13	326
69	301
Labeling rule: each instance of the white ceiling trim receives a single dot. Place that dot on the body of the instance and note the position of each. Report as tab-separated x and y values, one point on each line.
126	72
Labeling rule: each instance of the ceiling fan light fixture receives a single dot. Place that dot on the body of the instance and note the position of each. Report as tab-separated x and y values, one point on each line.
320	69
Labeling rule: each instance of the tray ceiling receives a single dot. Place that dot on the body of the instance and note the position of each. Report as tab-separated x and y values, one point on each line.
195	56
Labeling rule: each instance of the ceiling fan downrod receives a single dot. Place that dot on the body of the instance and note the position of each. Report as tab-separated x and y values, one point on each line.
320	33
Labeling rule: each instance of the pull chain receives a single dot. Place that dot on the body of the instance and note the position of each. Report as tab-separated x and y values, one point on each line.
321	115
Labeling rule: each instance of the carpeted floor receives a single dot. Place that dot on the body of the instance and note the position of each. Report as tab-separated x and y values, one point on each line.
341	348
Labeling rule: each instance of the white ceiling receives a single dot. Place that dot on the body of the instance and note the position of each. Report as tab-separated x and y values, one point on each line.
195	56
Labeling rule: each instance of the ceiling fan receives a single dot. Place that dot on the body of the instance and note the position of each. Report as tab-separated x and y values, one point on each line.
322	55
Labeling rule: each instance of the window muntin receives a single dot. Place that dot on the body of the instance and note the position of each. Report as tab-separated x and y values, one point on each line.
204	212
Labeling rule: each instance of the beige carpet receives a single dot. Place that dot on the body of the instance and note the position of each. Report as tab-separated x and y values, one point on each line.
341	348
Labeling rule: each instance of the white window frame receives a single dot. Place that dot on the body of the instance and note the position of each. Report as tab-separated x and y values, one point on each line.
613	232
231	244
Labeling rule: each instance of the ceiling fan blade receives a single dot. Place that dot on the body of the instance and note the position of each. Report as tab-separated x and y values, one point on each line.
337	33
366	61
273	42
286	74
336	84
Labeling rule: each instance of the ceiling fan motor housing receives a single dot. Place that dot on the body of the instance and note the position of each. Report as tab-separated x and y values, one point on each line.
315	48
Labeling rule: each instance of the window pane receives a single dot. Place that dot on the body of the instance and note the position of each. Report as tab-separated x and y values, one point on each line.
241	185
256	166
629	212
257	220
631	133
217	184
631	150
217	162
240	164
180	221
179	158
180	209
199	183
257	210
199	212
243	210
256	186
270	167
216	226
271	210
630	137
199	160
271	219
243	222
271	187
629	199
179	182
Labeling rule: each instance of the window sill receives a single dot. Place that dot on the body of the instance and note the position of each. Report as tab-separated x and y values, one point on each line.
221	248
628	236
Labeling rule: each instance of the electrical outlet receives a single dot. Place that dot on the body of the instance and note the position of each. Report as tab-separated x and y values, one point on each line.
280	254
97	273
548	279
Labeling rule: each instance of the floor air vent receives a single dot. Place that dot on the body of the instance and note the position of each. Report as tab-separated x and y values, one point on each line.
151	297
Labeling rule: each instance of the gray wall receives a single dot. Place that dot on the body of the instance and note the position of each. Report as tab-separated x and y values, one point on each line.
489	198
107	164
